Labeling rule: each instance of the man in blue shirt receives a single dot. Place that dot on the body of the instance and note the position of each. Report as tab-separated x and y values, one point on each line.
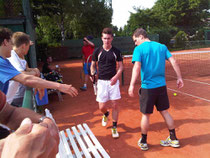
150	57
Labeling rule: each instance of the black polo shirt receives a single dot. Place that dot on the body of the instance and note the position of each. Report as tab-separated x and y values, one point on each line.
106	62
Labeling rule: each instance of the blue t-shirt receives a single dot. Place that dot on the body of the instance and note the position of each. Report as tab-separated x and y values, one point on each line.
7	72
152	56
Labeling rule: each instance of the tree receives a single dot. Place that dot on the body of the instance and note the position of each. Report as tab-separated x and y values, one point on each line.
168	17
74	18
188	15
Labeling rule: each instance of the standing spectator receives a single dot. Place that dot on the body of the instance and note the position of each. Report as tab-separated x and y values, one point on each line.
150	57
21	45
107	58
87	51
8	72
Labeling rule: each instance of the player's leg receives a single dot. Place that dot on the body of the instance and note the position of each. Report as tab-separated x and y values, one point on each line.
162	106
114	93
102	98
172	139
145	124
168	119
84	87
147	100
115	111
104	110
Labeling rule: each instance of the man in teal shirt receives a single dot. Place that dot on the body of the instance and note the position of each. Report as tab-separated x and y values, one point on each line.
150	57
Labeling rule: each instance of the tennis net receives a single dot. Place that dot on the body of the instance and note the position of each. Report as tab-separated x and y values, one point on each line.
192	64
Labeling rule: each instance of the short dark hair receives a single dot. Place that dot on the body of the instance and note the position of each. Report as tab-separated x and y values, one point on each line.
19	38
5	33
139	32
108	31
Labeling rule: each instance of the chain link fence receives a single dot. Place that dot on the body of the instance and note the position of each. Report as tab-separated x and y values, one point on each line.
11	8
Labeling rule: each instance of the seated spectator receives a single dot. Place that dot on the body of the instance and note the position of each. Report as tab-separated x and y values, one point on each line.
51	73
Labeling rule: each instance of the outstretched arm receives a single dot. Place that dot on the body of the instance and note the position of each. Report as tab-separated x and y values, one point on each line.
12	116
135	74
36	82
176	68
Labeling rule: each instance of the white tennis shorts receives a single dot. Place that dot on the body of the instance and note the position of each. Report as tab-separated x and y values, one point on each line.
106	92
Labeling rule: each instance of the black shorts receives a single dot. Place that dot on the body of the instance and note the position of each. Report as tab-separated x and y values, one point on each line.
150	97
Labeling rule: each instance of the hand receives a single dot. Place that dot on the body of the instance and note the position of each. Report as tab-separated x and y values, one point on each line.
85	39
130	91
30	141
37	72
41	92
69	89
180	83
50	124
113	80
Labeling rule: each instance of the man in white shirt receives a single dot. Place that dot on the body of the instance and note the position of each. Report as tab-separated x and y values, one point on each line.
21	47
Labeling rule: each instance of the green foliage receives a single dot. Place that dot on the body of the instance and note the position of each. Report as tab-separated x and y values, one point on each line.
180	39
70	19
167	17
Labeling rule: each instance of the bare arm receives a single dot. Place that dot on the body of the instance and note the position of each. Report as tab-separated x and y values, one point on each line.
176	68
93	67
89	42
135	75
12	116
118	74
36	82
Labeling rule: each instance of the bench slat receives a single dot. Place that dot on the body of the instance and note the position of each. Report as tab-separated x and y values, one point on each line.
62	152
81	143
66	145
88	141
73	143
98	145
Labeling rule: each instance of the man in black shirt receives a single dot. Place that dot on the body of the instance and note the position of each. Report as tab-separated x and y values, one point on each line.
108	77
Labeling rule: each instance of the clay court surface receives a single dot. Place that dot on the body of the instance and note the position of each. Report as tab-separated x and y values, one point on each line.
190	110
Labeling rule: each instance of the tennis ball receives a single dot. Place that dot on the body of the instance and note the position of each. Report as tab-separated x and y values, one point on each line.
175	94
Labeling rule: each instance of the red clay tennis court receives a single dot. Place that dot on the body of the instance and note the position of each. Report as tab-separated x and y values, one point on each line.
190	110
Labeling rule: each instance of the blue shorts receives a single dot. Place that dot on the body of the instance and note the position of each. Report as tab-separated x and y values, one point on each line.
86	70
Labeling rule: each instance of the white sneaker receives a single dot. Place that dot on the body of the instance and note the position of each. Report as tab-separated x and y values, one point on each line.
169	142
143	146
104	120
115	134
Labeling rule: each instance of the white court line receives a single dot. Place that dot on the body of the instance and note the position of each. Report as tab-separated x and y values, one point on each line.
193	52
179	53
195	81
189	95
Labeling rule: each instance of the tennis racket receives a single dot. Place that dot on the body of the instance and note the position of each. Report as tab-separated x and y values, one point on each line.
89	59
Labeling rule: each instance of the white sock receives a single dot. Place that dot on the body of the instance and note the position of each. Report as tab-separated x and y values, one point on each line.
85	85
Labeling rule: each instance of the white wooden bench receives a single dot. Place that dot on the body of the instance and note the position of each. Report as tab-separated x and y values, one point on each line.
78	142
